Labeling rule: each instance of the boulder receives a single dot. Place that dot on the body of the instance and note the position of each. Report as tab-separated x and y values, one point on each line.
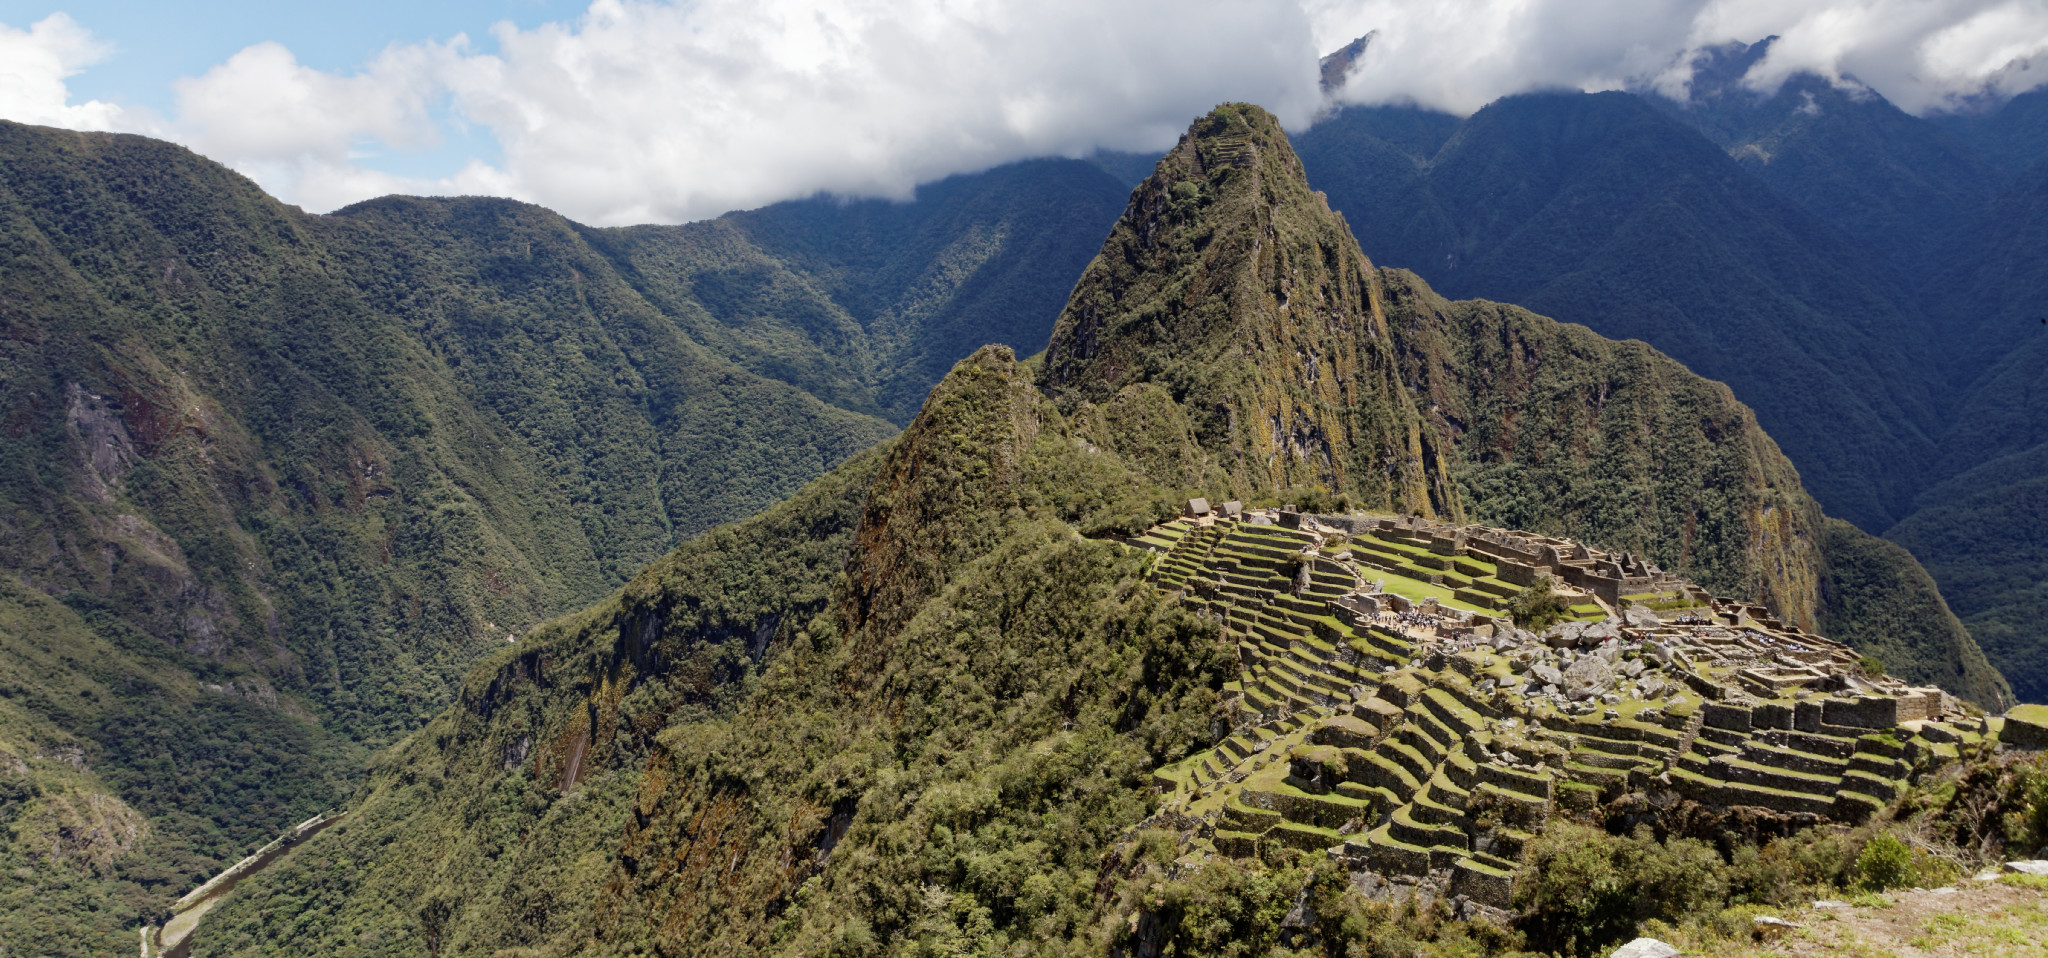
2026	726
1589	676
1645	948
1546	674
2027	868
1641	617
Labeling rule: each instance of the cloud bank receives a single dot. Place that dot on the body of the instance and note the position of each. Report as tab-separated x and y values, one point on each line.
655	112
1459	55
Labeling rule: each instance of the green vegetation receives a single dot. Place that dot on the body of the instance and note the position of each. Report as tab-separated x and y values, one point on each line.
1191	295
941	744
1885	863
1884	604
1865	279
326	463
1600	209
1538	607
913	710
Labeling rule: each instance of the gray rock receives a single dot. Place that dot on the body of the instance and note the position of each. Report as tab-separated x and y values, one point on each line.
1645	948
1641	617
1768	928
1633	668
2027	868
1830	903
1547	674
1588	676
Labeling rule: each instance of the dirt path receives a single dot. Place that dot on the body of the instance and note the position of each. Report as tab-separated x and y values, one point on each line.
174	939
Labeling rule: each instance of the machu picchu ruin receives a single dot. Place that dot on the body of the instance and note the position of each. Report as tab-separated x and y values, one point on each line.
1389	710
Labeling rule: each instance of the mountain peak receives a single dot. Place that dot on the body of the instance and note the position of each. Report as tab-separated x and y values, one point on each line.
1336	67
1232	285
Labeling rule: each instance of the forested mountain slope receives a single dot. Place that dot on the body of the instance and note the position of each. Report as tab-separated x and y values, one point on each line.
1869	281
1597	209
964	694
271	482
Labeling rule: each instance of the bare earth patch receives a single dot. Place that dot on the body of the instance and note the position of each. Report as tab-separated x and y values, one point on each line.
1974	918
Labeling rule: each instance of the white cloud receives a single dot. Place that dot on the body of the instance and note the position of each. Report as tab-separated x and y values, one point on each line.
641	111
301	132
646	112
1459	55
33	66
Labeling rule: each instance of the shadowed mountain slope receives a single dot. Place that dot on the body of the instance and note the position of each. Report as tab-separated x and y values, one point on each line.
963	697
1600	210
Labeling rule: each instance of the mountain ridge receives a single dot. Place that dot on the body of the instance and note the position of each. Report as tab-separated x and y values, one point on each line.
961	699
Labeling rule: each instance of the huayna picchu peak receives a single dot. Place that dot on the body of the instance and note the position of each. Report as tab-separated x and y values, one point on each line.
1280	606
1234	287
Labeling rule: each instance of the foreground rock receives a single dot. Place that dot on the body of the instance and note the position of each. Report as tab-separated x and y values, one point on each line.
1645	948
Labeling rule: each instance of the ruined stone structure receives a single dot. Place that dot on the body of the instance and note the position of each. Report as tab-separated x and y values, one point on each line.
1387	711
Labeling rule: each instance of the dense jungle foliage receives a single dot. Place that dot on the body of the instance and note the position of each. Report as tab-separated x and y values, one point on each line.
295	474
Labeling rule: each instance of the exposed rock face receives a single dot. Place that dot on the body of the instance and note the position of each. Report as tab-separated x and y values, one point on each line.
1646	948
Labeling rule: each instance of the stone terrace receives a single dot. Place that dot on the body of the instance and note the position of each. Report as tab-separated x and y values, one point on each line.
1389	714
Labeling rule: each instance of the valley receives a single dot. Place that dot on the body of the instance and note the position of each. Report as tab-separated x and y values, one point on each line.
1377	519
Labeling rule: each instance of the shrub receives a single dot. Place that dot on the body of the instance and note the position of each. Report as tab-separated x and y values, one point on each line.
1538	606
1584	890
1885	863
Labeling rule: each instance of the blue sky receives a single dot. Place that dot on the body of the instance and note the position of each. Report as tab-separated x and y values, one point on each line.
156	43
628	111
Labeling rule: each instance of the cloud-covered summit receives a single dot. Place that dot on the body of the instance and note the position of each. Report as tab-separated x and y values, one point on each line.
655	112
